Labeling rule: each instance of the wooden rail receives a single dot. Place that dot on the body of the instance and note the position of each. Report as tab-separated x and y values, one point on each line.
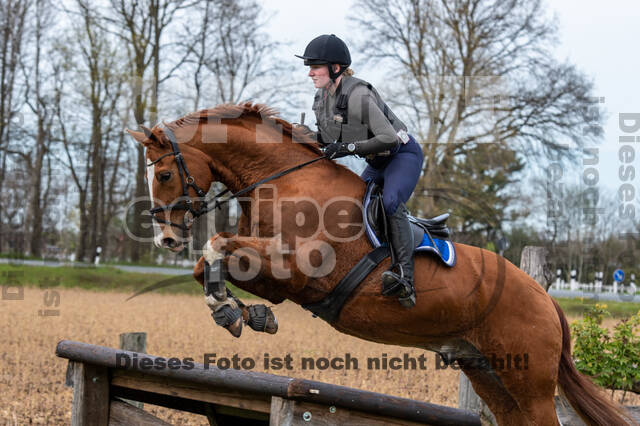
101	379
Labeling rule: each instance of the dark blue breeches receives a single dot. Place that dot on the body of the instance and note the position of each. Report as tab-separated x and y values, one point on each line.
398	176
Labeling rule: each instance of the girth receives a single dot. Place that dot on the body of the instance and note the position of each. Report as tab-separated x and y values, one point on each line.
329	308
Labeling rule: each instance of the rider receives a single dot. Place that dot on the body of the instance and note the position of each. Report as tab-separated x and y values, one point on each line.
353	119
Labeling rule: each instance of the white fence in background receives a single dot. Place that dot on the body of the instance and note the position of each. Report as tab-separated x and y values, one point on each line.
596	286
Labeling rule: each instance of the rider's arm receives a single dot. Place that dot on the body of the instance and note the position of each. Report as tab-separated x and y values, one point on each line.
363	107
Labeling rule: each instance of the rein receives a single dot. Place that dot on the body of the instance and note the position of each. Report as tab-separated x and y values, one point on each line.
188	181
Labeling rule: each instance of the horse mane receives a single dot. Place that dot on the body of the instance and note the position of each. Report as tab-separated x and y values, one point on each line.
260	112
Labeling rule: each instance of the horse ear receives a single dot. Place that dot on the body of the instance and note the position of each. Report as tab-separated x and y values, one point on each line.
148	133
140	137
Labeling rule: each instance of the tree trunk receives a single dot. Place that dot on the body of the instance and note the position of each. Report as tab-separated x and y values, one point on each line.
82	235
140	189
35	206
37	157
534	262
12	31
96	172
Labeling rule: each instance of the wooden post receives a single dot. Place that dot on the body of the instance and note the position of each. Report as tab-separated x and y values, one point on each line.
281	412
90	395
135	342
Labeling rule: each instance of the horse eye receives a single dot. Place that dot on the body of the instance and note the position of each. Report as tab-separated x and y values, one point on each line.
164	176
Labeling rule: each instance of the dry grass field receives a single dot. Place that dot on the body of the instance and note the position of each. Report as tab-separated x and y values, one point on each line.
32	378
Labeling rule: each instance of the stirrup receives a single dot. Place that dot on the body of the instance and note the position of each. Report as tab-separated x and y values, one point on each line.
396	285
392	282
408	298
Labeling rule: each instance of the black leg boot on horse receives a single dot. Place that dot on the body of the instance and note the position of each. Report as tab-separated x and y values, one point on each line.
400	238
227	309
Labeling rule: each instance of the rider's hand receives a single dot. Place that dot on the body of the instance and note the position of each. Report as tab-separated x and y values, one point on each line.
302	127
337	150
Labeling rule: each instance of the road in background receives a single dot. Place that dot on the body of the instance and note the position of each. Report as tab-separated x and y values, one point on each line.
128	268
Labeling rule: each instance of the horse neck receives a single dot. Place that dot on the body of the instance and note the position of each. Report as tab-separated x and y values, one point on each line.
243	161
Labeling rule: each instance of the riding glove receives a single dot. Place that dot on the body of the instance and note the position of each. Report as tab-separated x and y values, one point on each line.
338	150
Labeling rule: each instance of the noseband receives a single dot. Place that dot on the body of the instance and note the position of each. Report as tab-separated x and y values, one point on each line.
188	181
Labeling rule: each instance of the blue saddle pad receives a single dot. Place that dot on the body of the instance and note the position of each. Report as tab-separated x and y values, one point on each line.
443	248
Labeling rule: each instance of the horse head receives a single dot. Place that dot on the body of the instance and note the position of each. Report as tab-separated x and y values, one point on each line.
178	176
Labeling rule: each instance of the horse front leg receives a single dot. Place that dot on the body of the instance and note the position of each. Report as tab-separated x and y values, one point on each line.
227	310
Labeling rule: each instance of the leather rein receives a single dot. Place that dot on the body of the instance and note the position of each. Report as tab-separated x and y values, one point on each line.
187	181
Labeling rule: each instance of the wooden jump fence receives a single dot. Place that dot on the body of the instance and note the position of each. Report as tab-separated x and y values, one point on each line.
101	381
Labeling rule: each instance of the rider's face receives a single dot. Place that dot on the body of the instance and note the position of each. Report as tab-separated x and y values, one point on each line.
320	75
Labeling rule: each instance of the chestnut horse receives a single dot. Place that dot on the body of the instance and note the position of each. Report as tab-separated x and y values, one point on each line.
484	308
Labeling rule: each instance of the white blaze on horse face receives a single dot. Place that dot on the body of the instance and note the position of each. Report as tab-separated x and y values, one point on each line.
157	234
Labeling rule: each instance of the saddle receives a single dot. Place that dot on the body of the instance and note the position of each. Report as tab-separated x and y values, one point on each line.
429	235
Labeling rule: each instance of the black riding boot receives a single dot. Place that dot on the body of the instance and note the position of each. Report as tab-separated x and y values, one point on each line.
398	281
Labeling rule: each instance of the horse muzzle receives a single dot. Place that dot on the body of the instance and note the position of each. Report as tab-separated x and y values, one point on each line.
172	244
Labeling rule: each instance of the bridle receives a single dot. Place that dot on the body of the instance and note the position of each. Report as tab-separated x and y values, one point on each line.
188	181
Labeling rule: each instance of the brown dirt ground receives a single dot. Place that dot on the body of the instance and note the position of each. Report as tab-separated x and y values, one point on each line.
32	387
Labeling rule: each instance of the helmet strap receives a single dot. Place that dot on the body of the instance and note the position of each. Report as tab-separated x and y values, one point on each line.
334	75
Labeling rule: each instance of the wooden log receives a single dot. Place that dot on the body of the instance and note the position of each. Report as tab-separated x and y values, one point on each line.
123	414
90	395
189	390
286	412
380	404
257	384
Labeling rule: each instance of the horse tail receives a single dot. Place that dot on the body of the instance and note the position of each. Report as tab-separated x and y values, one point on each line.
585	397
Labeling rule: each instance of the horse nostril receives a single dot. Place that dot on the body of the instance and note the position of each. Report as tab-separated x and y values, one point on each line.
169	242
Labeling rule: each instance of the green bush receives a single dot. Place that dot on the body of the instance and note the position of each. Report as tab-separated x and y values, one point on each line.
612	360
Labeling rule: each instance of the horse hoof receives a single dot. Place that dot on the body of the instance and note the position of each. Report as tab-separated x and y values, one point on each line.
272	325
229	318
261	319
236	328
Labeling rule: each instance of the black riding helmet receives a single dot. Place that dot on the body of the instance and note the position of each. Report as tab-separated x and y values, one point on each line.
327	49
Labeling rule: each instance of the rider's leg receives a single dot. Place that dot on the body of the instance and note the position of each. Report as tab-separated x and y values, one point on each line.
400	178
370	173
398	281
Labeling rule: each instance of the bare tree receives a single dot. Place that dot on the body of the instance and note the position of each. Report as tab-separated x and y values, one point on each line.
39	102
231	58
101	64
30	143
12	29
477	71
90	56
140	25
